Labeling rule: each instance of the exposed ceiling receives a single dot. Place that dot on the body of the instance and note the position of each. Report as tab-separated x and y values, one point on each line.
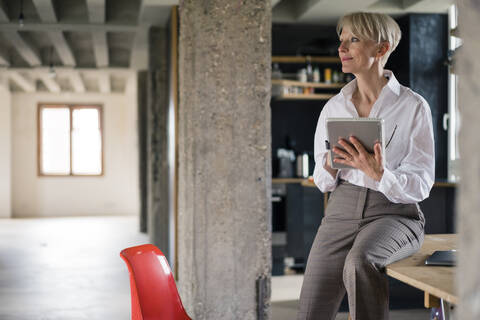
93	45
96	45
327	12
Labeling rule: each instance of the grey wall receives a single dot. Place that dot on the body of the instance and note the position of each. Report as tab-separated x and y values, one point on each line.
468	277
224	158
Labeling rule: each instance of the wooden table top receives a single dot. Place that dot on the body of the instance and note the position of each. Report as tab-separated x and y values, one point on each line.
435	280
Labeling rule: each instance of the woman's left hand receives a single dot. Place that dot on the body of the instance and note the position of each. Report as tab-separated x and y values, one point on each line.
355	155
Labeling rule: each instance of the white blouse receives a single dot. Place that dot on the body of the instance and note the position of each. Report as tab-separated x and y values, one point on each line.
409	170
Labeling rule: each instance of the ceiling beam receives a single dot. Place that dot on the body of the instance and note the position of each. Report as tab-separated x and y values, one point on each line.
96	11
151	13
76	81
26	84
62	48
100	48
409	3
81	27
427	6
50	82
27	52
46	11
4	61
96	14
140	50
64	70
326	11
274	3
104	83
3	12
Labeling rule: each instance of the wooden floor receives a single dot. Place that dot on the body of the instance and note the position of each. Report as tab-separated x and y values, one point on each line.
70	269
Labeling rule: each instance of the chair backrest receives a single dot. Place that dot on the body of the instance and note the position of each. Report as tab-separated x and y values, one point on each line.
153	289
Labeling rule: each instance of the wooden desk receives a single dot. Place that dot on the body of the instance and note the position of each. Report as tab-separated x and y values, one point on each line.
437	282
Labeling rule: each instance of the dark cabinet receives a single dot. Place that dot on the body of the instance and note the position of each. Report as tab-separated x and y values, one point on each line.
419	62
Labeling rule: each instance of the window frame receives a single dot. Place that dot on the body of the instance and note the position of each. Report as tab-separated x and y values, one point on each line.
71	107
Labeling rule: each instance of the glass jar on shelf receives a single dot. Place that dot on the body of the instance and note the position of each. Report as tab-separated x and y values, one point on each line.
276	72
302	75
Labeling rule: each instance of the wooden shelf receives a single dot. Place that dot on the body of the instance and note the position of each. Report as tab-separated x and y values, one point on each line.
293	83
302	96
302	59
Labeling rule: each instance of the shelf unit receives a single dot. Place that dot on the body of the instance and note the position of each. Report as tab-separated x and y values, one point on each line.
280	84
293	83
310	96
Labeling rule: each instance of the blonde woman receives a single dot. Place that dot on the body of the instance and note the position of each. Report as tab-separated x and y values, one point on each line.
372	218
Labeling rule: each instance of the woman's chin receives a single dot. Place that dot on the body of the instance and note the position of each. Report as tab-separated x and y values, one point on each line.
346	69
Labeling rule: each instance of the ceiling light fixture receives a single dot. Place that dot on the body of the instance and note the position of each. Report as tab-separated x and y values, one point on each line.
21	17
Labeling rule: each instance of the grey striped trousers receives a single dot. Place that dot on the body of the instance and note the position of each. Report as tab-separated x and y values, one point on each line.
361	233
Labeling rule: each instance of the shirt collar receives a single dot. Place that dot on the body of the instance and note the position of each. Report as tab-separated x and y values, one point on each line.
392	84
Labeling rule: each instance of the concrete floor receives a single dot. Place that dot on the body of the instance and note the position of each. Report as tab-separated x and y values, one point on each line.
69	268
65	268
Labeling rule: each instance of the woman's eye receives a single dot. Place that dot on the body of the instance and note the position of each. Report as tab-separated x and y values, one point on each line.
354	39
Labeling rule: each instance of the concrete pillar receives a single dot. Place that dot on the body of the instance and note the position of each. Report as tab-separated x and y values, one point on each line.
6	147
142	127
468	277
159	221
224	148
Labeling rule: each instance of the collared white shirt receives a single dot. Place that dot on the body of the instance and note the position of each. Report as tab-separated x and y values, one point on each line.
409	170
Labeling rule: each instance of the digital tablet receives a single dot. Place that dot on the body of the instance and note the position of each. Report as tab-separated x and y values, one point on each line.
442	258
367	130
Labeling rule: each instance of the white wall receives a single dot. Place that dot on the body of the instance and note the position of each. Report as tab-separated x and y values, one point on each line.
5	149
115	193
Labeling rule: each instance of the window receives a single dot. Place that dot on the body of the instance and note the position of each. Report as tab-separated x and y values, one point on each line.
70	140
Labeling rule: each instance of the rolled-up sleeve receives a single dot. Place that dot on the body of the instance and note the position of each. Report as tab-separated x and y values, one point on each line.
413	179
322	178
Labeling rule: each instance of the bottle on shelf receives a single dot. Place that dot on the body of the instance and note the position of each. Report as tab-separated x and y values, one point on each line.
316	74
328	75
302	75
336	76
276	72
309	69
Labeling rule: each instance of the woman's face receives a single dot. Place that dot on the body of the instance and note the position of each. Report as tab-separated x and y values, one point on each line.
357	55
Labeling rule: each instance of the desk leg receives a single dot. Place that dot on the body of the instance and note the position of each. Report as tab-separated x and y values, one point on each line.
443	312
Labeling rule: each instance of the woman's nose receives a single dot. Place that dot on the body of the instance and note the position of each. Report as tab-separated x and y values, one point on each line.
342	47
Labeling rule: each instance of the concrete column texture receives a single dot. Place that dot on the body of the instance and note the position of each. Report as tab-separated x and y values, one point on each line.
142	127
468	66
158	220
224	150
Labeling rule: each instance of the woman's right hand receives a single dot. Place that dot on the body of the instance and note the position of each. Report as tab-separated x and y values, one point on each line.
328	166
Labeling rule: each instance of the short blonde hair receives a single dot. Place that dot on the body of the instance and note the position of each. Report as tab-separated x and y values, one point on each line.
378	27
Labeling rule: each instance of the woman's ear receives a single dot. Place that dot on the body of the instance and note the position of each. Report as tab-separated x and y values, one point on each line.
383	48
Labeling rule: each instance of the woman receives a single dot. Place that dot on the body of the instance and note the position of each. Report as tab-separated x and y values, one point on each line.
372	218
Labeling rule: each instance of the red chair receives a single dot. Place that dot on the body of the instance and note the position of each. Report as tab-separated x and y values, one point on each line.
153	289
